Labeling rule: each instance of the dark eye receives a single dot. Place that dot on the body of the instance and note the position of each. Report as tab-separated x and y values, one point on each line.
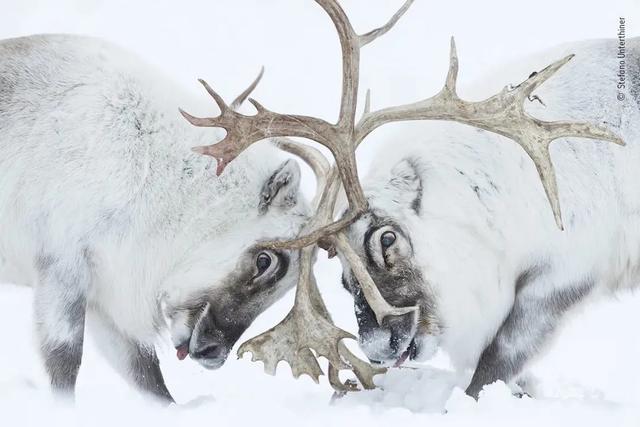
387	239
263	262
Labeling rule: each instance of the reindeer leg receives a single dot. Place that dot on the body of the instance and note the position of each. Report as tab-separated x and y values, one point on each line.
60	304
526	330
137	363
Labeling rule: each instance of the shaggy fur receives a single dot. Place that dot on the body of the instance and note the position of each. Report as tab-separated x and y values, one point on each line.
497	275
103	207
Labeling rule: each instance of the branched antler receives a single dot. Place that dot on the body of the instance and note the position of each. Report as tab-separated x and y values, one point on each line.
503	114
308	327
243	130
245	93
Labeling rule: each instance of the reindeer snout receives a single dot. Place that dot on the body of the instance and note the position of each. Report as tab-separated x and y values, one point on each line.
209	351
210	354
402	330
387	342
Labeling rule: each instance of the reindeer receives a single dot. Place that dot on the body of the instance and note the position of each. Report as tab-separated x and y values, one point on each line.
114	221
457	224
453	244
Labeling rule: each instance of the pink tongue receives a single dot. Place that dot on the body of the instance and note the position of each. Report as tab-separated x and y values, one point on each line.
182	352
402	358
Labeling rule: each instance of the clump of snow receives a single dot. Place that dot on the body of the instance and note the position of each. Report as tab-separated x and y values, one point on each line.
424	389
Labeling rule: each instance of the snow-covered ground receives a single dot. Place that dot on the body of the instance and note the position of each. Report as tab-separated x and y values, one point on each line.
589	377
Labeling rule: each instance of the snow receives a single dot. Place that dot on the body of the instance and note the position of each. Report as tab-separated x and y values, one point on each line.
590	375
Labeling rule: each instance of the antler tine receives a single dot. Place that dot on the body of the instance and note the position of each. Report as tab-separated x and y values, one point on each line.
367	102
195	121
452	74
217	98
243	96
314	236
350	42
380	307
503	114
350	45
374	34
538	78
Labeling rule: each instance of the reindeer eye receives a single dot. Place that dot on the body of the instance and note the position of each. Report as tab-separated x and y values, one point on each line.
387	239
263	262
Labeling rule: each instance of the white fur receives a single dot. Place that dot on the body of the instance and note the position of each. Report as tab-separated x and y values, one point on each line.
94	156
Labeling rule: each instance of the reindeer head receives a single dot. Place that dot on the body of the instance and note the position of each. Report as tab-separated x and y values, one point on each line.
230	278
237	279
383	237
308	324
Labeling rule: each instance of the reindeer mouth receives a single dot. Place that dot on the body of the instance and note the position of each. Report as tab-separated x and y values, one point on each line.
182	351
410	353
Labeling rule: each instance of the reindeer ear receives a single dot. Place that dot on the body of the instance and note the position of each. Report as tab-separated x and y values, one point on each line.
282	188
406	184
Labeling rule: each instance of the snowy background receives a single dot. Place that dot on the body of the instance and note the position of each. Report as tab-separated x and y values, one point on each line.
589	377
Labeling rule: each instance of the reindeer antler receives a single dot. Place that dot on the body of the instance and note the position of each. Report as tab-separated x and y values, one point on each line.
308	326
503	114
242	130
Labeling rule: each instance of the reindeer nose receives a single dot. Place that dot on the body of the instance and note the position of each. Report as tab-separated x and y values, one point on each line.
209	351
402	328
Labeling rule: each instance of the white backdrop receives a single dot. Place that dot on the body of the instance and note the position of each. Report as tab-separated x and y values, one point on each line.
226	41
594	365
